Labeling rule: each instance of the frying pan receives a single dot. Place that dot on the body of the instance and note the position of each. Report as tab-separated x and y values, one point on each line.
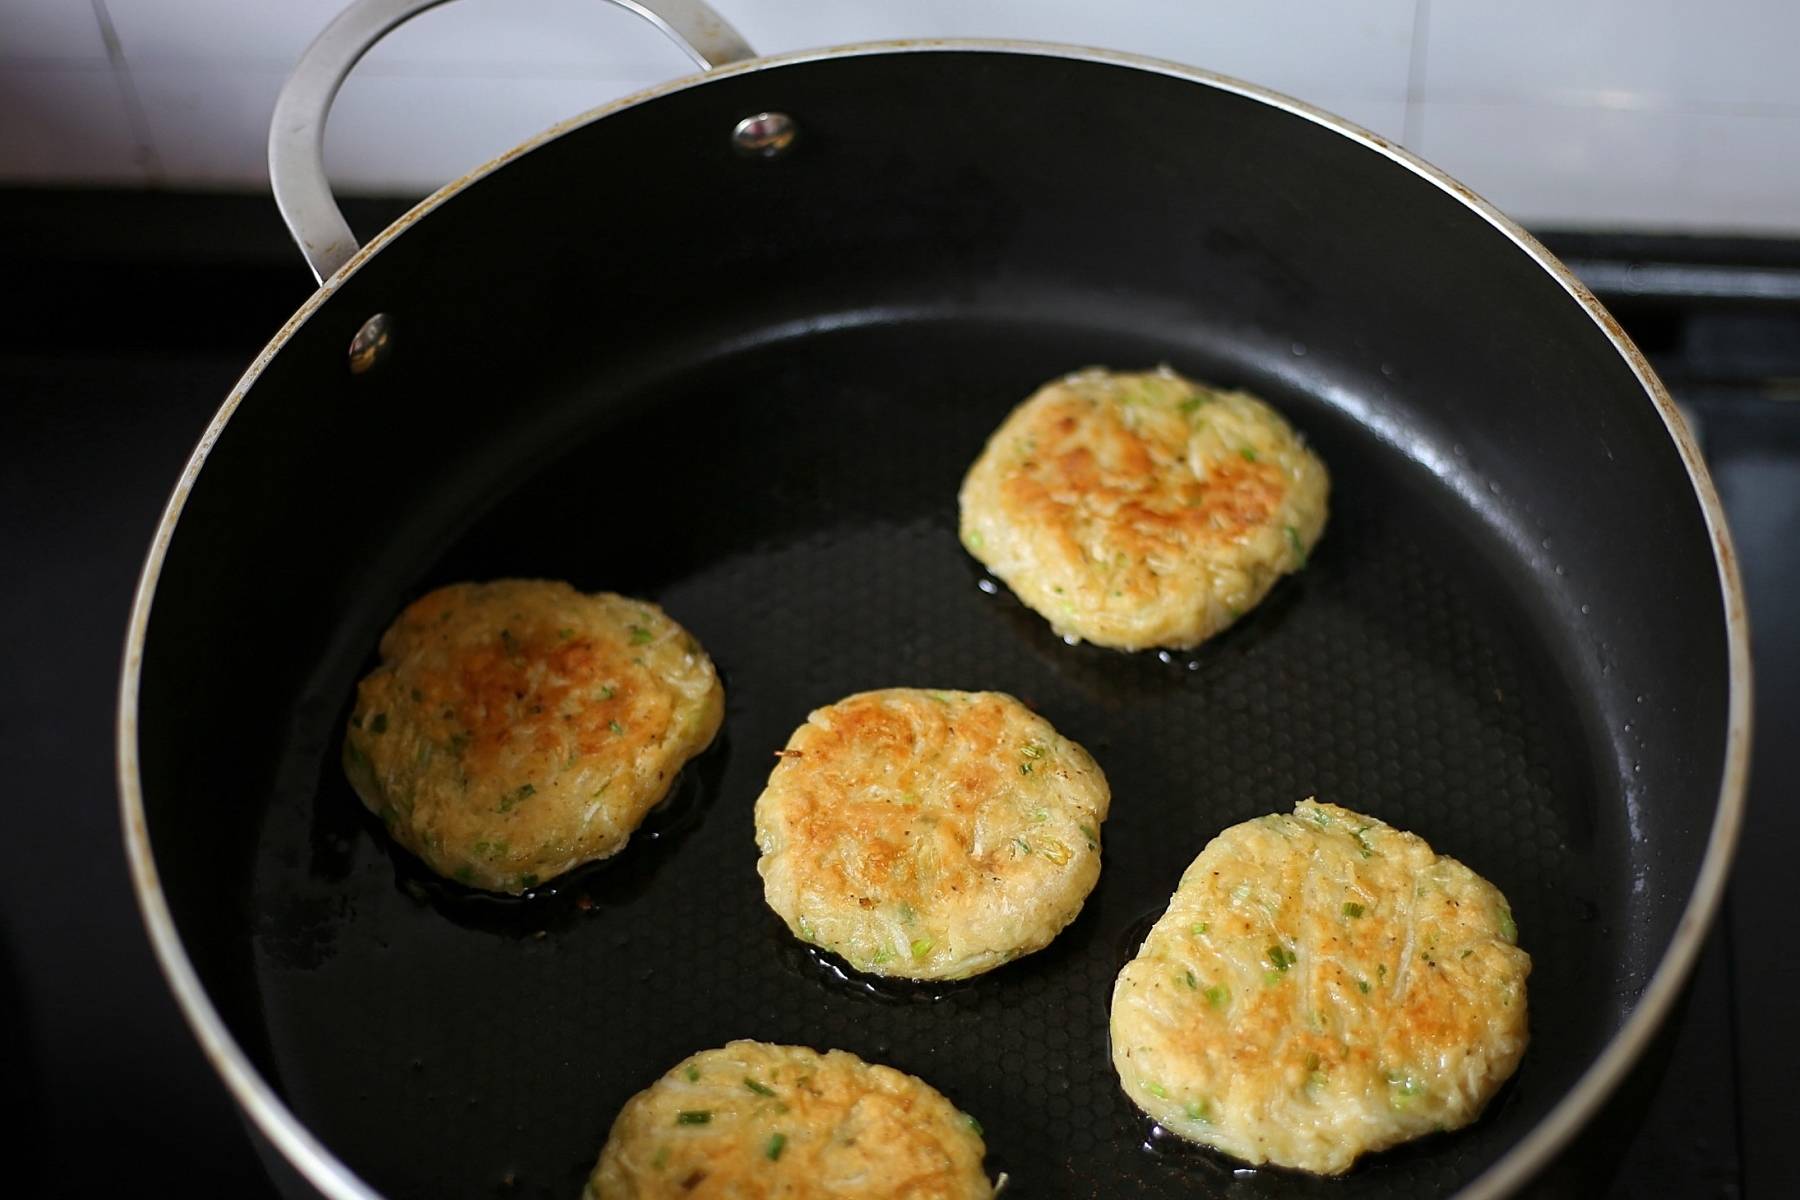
730	345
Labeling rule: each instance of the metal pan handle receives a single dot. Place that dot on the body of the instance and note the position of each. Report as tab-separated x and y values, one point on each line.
297	132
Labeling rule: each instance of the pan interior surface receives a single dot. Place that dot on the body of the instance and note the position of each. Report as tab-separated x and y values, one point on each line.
812	549
750	394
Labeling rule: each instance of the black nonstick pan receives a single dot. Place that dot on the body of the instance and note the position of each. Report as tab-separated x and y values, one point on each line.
731	346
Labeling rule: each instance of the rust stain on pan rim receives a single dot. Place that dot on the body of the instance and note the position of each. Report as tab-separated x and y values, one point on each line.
1514	1169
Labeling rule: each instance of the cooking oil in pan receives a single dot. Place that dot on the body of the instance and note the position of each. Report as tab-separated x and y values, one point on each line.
594	886
838	975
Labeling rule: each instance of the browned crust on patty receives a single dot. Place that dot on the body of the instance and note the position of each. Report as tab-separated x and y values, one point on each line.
517	728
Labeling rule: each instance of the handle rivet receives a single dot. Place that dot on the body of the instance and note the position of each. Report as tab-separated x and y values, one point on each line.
371	344
764	135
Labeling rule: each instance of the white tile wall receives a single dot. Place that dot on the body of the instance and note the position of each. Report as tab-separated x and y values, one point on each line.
1653	55
210	128
67	122
1603	166
50	31
1653	113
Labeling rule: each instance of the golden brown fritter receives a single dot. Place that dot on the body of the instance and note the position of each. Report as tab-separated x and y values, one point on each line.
930	834
519	728
1139	510
1321	985
752	1121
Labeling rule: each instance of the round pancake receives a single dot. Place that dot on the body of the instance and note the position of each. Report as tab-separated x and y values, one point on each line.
1321	985
519	728
930	834
1141	510
752	1120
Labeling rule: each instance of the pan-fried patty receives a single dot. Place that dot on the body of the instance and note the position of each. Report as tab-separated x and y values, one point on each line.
930	834
1321	985
1140	510
751	1120
519	728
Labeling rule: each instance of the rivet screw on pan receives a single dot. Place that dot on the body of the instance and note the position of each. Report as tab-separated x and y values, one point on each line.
764	135
371	343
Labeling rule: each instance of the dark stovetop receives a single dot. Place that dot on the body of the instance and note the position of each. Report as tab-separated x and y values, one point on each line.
134	314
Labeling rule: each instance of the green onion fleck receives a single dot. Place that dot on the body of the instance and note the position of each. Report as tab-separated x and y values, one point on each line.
662	1158
1293	537
639	635
1157	1090
1032	750
1282	957
1199	1110
565	634
1023	845
806	930
528	880
1218	995
1508	929
974	1125
1363	984
693	1116
1352	909
1188	978
465	874
1093	839
1362	843
378	723
1271	978
975	539
777	1142
615	727
1024	768
761	1089
693	1074
1248	453
608	692
921	947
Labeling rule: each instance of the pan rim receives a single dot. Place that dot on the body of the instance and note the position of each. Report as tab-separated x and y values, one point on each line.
333	1178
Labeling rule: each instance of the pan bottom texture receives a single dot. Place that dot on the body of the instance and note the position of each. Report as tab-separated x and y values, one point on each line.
792	502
